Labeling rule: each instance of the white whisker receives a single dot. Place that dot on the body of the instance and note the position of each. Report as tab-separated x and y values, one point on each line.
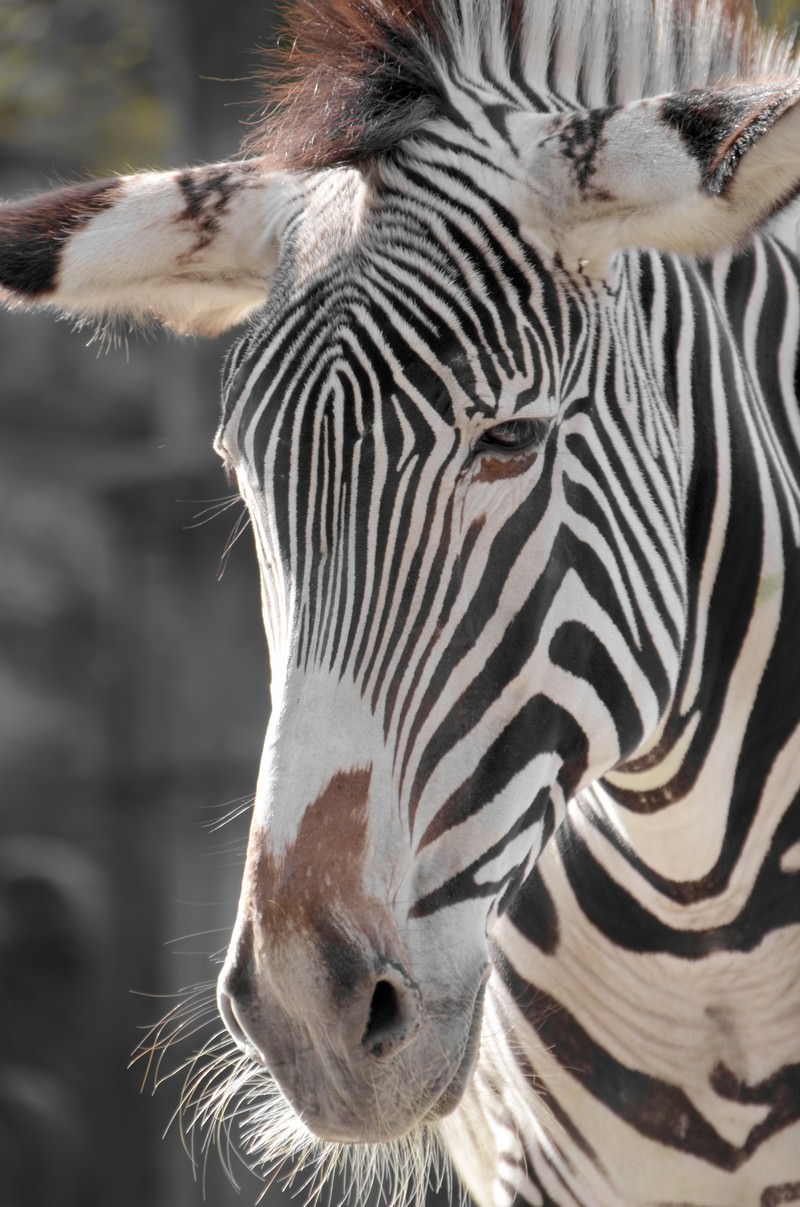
213	509
231	1105
241	525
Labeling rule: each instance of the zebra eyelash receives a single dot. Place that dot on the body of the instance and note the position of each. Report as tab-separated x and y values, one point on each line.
512	436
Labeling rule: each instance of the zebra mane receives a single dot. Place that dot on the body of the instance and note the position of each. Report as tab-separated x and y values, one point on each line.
351	79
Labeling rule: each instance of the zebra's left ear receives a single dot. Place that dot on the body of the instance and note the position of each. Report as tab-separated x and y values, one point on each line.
194	249
691	173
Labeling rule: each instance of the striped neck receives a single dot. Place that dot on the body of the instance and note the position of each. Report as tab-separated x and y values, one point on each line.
700	804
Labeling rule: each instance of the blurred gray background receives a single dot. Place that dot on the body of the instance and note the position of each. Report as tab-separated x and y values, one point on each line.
133	683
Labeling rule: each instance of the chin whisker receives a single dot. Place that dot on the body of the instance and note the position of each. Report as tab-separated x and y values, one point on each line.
231	1105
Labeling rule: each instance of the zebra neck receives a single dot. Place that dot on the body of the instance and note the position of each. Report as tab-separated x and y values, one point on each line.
714	790
727	765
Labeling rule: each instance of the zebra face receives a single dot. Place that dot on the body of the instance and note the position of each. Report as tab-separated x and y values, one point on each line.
432	444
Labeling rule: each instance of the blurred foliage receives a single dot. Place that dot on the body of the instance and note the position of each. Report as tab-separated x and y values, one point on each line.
83	75
784	14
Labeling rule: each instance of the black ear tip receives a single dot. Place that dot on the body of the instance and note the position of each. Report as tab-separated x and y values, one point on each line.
33	233
28	269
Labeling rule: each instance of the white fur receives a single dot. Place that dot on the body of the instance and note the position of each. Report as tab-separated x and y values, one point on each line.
144	258
646	189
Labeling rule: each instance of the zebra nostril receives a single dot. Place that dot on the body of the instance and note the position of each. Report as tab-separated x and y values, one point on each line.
384	1010
393	1016
226	1004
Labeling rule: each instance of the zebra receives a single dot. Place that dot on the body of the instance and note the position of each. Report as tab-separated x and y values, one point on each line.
515	419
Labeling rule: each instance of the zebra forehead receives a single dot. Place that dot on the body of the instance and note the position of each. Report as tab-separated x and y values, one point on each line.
338	345
367	266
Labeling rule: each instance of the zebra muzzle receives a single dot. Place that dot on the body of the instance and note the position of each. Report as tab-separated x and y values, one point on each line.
335	1041
382	1017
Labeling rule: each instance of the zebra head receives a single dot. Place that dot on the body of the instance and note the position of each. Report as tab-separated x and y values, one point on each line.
463	627
465	460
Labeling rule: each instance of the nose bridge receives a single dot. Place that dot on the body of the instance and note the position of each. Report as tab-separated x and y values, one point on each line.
319	871
324	755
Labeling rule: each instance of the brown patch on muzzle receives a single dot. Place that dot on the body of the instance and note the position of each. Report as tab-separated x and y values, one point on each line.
320	875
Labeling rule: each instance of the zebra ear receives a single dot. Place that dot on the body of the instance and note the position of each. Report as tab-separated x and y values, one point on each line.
691	173
195	249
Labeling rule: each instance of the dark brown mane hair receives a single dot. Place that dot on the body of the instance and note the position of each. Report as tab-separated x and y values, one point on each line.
348	80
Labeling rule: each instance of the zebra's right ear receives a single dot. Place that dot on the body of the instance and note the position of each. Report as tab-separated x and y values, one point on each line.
195	249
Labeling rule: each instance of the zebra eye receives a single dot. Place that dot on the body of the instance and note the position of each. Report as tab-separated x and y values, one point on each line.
513	435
